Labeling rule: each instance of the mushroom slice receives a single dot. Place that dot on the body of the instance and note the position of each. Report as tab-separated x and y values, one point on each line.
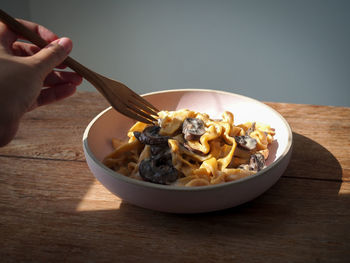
244	167
187	147
246	145
193	128
158	149
246	142
257	162
151	136
158	169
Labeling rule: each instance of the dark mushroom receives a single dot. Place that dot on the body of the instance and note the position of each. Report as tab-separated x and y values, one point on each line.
193	128
244	167
158	169
246	142
257	162
159	149
163	158
245	146
189	148
151	136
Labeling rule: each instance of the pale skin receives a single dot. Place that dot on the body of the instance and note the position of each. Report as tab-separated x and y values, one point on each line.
29	77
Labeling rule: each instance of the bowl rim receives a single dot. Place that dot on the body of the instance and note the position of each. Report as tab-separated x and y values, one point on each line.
146	184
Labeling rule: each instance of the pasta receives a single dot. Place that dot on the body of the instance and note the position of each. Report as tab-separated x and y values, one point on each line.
188	148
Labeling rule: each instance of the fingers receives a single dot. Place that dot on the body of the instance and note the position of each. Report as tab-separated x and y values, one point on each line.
47	58
54	94
60	85
62	77
24	49
51	56
42	31
7	37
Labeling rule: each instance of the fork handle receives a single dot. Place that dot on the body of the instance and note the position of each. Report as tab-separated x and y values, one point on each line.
22	30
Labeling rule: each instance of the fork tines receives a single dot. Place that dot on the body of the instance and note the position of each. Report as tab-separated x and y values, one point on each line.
138	108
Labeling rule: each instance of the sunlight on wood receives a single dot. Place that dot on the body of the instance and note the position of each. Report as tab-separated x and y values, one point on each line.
344	189
98	198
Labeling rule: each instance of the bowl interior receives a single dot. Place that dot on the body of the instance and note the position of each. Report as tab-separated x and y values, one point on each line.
111	124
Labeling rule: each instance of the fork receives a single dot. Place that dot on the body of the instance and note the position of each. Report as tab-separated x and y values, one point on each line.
122	99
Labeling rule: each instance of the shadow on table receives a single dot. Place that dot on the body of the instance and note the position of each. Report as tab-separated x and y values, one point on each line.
302	214
299	212
310	160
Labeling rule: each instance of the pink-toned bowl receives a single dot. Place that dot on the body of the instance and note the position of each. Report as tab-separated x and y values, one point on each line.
111	124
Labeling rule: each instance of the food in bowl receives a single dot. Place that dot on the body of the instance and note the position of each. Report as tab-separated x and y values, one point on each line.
188	148
110	124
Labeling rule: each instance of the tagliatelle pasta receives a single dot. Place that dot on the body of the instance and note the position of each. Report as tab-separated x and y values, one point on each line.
188	148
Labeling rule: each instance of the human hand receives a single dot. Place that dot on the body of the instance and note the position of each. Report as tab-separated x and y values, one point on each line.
24	70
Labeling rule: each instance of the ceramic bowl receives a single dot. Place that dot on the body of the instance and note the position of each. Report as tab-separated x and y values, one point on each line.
176	199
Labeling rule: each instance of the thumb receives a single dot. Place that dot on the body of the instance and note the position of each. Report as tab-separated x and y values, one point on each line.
52	55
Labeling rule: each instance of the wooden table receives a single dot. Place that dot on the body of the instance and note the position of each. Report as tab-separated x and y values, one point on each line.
53	210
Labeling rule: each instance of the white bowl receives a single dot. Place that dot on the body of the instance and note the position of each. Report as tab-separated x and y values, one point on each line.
176	199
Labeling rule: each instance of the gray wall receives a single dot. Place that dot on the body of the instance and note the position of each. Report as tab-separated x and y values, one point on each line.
16	8
285	51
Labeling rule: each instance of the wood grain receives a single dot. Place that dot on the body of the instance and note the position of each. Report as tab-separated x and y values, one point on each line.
297	219
326	129
56	131
53	210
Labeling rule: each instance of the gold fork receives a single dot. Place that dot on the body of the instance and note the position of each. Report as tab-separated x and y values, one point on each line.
123	99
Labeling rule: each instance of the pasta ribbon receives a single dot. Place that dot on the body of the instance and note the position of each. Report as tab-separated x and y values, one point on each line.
213	154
